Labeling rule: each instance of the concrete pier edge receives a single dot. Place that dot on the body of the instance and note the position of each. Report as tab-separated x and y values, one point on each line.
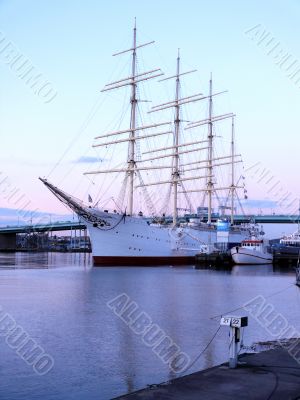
270	374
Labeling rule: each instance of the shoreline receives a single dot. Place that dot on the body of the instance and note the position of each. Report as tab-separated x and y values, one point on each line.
271	372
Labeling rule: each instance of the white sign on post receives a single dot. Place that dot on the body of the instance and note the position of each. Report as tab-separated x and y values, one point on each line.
226	321
235	322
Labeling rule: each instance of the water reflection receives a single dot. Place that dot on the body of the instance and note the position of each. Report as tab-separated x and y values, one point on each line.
24	260
249	269
60	299
38	260
264	269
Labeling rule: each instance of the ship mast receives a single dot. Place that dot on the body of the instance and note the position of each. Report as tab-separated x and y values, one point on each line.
133	80
232	173
176	179
210	154
133	101
175	174
211	161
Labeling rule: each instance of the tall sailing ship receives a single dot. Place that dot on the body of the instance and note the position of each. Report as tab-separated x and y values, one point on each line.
126	236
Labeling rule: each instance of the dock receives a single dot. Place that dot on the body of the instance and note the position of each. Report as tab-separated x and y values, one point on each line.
272	374
286	259
217	259
224	260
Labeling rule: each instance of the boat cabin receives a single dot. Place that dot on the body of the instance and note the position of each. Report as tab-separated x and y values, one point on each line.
291	240
252	243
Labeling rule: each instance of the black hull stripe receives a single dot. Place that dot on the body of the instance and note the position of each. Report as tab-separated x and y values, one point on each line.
142	261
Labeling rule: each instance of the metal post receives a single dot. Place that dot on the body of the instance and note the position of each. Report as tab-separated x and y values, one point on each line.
233	346
235	324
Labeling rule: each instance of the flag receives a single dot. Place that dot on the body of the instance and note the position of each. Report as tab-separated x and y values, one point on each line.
90	199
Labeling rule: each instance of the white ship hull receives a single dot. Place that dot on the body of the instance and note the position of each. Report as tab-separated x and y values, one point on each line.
241	255
133	241
125	240
118	239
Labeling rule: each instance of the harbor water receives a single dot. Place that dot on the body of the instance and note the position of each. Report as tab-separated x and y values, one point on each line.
60	301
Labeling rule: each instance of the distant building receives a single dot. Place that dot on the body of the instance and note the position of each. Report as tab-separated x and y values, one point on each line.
47	242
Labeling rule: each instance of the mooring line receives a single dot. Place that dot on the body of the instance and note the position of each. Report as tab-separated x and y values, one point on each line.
267	297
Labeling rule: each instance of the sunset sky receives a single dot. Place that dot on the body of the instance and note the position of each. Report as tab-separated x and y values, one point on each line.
70	44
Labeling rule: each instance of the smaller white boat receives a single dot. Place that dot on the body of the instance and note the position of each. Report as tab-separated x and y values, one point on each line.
290	244
291	240
252	251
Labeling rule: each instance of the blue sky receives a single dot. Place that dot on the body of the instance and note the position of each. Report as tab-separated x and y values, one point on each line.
71	42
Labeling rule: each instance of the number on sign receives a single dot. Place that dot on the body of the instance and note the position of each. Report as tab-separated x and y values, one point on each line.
225	321
236	322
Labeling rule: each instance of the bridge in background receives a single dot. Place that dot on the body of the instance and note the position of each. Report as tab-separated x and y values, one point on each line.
38	228
69	225
8	234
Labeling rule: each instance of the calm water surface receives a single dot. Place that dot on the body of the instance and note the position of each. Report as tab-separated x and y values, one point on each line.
60	300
